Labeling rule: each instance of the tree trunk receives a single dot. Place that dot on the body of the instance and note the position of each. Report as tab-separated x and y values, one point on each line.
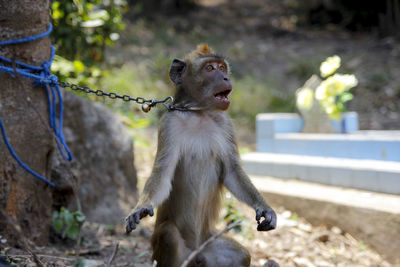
24	111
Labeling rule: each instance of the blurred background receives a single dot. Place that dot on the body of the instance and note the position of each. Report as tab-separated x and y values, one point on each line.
273	47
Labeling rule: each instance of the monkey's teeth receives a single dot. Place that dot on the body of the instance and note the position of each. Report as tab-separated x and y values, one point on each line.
223	96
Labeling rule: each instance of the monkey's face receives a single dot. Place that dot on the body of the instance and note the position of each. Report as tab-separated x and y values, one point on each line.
204	83
216	85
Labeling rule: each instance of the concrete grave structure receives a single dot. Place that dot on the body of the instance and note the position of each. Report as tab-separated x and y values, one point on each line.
368	160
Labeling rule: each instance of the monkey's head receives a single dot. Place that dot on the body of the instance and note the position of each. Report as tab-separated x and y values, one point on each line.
202	80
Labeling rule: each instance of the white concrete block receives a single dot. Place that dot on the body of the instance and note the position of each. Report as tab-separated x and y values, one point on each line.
318	174
341	177
379	176
299	172
389	182
367	180
281	170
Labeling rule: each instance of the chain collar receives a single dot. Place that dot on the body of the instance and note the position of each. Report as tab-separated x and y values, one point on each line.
147	104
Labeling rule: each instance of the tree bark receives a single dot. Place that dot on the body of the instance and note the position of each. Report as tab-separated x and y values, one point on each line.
24	111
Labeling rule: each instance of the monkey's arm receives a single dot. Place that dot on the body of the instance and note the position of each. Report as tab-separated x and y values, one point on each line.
158	186
240	185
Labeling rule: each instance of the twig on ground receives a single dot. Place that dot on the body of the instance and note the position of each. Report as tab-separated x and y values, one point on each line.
41	255
82	252
209	241
21	236
110	260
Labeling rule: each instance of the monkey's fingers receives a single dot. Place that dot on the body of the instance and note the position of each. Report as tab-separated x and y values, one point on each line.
151	211
137	216
265	226
260	213
269	221
130	224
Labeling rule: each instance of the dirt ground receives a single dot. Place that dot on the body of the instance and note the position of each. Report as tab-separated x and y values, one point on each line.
295	242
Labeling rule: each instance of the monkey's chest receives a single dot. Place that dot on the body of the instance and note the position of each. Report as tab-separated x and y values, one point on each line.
201	144
201	167
201	164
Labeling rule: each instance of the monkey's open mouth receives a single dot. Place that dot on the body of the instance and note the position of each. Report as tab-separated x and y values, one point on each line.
223	96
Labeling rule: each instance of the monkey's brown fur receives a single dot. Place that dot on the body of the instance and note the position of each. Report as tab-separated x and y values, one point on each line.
196	157
201	51
202	54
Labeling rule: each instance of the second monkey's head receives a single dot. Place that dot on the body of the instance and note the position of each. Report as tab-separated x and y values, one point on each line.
202	80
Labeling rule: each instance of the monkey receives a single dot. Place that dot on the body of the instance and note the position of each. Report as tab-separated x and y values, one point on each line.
196	157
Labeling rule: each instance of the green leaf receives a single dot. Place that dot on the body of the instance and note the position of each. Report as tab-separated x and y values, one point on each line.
237	229
346	97
57	14
64	233
79	217
340	107
58	225
110	227
69	218
80	263
73	231
79	67
55	215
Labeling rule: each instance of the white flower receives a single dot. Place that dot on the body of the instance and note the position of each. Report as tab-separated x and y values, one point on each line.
335	85
321	92
330	65
305	98
348	80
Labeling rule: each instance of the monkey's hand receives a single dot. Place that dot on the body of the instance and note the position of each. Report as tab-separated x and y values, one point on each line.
269	222
135	217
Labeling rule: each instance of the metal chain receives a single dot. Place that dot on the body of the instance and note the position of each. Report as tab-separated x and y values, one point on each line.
147	104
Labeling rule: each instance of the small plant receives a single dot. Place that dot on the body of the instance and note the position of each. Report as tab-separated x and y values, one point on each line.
68	223
332	92
232	214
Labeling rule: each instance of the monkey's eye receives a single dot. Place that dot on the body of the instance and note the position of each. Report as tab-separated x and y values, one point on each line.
222	68
209	67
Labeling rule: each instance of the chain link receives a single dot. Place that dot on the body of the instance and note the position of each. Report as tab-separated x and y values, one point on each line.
147	104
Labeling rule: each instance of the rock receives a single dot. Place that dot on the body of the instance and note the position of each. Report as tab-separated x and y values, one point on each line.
303	262
323	237
91	263
336	230
103	167
271	263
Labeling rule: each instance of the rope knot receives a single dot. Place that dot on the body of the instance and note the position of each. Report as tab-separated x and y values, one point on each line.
53	79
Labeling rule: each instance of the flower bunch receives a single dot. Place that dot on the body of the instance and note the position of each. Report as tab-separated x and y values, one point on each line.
332	92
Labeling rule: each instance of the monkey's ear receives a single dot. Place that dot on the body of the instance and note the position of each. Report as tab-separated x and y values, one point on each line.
178	67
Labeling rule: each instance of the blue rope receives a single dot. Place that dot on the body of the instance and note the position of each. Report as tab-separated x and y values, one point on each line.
3	131
29	38
43	77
